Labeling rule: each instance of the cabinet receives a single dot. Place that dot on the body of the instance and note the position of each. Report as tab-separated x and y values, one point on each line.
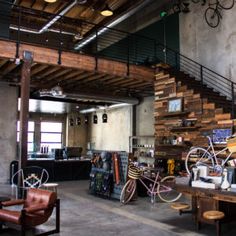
142	147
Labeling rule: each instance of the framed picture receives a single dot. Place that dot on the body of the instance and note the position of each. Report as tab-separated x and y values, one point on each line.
175	105
219	136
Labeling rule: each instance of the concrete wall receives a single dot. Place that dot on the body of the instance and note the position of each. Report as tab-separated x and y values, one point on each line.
145	117
8	110
213	47
113	135
77	134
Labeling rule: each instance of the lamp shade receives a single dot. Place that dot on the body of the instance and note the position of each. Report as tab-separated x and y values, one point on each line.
95	118
104	118
50	1
78	121
107	11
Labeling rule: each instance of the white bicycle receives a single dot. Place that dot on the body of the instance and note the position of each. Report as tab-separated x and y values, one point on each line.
198	156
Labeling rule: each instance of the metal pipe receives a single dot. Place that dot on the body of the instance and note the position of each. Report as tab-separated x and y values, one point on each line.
50	23
121	18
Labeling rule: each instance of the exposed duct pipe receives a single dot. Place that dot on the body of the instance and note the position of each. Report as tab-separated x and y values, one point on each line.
50	23
121	18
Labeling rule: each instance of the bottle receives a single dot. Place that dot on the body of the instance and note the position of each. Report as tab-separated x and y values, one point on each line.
225	184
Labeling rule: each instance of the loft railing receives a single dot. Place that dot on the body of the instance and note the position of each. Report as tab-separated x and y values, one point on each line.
30	26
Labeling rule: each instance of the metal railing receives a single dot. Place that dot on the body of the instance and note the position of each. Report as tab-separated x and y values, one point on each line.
58	32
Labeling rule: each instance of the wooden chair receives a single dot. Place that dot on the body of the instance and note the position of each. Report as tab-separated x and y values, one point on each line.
216	216
37	209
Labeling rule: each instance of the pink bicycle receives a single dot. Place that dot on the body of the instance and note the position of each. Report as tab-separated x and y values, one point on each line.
158	186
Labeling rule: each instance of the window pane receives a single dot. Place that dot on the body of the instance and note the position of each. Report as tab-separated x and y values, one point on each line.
51	138
30	137
30	125
51	127
30	147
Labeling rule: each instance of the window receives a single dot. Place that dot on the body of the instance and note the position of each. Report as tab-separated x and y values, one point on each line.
31	130
51	135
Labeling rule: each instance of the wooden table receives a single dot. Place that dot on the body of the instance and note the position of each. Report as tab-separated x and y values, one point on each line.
209	199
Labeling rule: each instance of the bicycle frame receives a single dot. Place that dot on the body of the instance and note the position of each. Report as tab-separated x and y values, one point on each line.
155	182
214	154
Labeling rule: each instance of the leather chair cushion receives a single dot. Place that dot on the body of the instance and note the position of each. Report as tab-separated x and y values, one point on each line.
10	216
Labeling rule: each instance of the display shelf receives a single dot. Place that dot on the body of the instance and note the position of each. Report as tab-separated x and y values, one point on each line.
171	114
185	128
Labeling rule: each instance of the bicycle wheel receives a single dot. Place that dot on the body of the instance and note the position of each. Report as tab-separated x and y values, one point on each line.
197	157
226	4
128	191
165	192
212	17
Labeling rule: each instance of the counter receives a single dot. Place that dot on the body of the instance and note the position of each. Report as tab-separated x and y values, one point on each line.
63	170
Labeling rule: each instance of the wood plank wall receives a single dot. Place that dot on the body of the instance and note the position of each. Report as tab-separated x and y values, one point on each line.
204	116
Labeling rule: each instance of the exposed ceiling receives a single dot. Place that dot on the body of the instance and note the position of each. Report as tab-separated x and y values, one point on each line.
39	17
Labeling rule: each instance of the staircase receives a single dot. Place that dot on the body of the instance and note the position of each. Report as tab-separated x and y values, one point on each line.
205	92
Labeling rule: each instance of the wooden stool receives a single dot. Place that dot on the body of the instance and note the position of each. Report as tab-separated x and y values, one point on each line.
216	216
180	206
51	186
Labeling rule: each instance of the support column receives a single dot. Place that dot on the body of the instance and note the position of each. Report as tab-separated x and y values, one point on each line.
24	105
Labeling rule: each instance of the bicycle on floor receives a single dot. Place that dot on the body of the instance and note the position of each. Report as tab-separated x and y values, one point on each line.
158	186
213	14
198	156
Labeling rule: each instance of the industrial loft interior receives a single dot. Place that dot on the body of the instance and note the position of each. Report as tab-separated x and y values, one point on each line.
117	117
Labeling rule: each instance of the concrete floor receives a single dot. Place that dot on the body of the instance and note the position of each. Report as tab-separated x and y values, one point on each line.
83	214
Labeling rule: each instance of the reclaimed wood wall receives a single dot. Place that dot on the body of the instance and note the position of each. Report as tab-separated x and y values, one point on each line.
188	127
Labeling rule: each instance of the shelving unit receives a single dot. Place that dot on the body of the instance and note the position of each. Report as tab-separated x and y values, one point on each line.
142	147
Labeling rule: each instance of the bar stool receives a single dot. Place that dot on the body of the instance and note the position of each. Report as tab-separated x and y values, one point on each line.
216	216
180	206
51	186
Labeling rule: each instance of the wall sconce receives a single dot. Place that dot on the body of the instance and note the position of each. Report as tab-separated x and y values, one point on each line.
71	122
78	121
104	117
86	119
95	118
107	11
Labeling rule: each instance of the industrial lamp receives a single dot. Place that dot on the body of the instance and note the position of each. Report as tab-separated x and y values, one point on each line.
107	11
95	118
78	121
104	118
50	1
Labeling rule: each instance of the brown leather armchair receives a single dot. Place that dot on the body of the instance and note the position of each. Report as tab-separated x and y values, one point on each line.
37	208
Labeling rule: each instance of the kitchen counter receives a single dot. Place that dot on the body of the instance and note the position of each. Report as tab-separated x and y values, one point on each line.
65	169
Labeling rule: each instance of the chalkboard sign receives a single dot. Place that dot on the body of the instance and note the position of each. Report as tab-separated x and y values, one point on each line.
219	136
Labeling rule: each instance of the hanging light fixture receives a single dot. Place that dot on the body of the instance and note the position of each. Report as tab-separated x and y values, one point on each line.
71	122
50	1
78	121
95	118
86	119
104	117
107	11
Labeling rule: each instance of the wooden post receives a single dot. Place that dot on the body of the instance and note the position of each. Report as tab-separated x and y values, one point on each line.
24	105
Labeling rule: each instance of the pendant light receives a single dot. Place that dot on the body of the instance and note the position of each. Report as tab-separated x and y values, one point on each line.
86	119
104	117
95	118
50	1
107	11
78	121
71	122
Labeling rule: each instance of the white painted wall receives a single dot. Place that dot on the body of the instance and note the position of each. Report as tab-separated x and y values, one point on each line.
113	135
8	111
212	47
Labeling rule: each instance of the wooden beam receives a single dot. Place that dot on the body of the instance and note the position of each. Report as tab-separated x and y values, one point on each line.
24	106
77	61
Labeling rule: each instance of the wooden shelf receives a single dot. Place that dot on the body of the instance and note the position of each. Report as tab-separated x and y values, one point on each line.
171	145
171	114
185	128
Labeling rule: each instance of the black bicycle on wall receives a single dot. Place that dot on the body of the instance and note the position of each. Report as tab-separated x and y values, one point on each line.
213	12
